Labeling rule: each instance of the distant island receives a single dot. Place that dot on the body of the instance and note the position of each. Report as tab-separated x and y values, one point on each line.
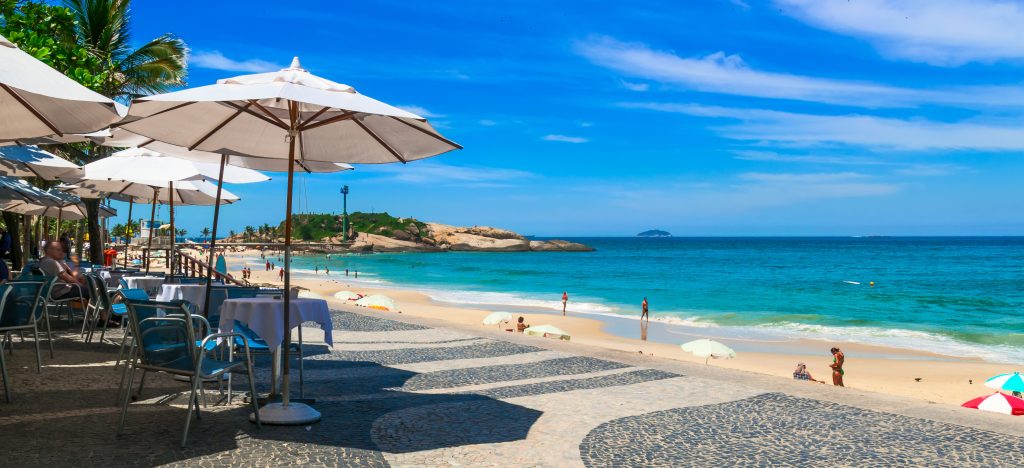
381	232
654	233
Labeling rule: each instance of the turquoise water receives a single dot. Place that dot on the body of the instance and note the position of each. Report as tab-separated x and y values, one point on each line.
957	296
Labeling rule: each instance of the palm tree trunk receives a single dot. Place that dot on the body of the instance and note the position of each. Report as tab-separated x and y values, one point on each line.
13	222
92	210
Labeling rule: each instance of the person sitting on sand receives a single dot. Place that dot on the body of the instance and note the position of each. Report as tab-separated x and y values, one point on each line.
801	373
521	326
838	359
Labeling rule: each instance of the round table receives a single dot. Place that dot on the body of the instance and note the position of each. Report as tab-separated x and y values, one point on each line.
194	294
151	284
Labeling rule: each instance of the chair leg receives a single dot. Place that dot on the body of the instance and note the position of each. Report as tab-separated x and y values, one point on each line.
302	378
120	352
39	355
49	334
191	401
252	388
129	367
7	381
142	380
124	372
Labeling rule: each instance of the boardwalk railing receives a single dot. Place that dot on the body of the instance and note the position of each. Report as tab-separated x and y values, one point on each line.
191	267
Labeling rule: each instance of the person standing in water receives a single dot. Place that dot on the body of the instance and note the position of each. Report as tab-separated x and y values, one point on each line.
643	310
565	300
838	359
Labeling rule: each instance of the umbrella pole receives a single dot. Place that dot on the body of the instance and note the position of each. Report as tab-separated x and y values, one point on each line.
170	252
60	217
288	412
213	236
128	230
152	217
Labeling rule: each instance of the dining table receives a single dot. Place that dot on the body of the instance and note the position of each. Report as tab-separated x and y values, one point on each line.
150	284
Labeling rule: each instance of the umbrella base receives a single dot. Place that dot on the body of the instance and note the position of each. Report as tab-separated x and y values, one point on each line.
292	414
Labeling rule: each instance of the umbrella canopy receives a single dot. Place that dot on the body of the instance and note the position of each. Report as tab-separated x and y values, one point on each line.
547	331
497	317
998	403
119	137
36	100
707	349
62	206
149	167
259	115
1009	382
30	161
347	296
13	188
189	192
379	302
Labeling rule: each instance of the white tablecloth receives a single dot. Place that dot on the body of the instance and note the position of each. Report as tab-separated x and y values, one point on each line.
150	284
195	294
265	316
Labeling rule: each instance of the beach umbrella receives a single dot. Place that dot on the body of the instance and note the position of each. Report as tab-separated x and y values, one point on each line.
347	296
547	331
708	349
61	206
291	115
377	301
36	100
998	403
1009	382
13	188
496	318
31	161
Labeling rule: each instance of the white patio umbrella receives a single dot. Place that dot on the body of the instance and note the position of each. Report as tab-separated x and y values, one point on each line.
140	173
708	349
31	161
36	100
496	318
13	188
291	115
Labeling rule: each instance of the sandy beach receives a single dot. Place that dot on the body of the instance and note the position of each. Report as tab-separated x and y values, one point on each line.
943	379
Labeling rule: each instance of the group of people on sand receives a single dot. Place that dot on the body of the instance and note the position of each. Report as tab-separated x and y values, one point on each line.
838	359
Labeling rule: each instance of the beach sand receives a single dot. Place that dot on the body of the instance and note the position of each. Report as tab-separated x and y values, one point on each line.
944	379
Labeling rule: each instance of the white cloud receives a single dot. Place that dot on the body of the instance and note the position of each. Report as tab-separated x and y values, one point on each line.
565	139
852	129
899	167
801	178
488	122
639	87
938	32
729	74
740	3
428	172
217	61
420	111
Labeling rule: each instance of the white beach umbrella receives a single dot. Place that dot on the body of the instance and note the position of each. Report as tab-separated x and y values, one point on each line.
187	192
68	208
496	318
149	167
36	100
708	349
291	115
547	331
346	296
13	188
1012	382
31	161
378	302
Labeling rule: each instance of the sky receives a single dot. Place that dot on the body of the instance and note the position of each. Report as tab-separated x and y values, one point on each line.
712	117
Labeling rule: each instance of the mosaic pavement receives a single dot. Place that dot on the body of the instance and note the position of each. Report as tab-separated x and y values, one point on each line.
402	394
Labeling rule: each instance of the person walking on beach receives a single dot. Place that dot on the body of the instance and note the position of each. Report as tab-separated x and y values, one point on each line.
316	270
280	274
643	310
357	273
268	265
346	272
565	300
838	359
327	270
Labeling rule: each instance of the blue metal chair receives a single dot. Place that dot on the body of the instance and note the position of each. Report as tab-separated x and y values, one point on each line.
120	309
166	343
253	341
23	311
5	293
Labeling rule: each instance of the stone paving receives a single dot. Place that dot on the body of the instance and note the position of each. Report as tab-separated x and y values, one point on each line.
412	394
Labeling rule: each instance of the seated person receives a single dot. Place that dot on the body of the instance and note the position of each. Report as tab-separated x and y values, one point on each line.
69	283
801	373
521	326
5	272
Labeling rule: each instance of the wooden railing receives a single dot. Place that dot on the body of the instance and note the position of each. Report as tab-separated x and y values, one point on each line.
189	266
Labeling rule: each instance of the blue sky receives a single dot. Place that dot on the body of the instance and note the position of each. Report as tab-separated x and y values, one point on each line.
716	117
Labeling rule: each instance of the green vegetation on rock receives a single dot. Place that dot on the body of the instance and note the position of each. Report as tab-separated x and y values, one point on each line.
313	227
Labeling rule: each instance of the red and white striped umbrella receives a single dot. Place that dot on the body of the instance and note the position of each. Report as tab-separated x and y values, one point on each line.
998	403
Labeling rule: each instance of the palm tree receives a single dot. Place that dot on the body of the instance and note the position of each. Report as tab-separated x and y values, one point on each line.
206	232
249	231
104	27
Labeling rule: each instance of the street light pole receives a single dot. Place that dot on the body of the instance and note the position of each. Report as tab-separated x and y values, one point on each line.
344	213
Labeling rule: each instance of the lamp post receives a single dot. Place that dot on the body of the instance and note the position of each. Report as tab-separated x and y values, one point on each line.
344	213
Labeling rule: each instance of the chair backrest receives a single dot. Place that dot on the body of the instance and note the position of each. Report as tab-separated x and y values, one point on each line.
123	283
136	294
5	294
99	291
187	280
165	337
24	304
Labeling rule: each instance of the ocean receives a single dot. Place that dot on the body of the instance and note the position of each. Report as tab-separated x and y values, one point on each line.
959	296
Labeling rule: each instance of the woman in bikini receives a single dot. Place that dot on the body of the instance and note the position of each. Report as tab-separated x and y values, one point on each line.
837	367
